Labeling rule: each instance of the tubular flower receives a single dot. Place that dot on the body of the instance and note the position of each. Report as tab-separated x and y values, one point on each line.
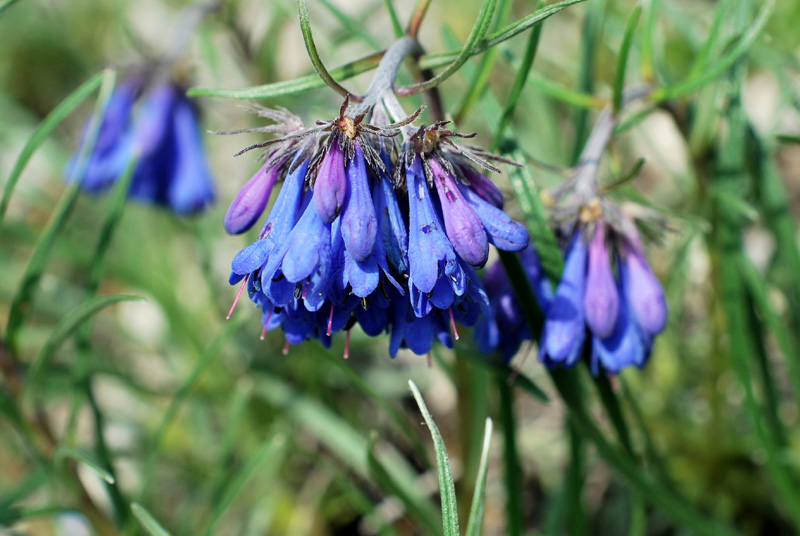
622	313
156	125
355	237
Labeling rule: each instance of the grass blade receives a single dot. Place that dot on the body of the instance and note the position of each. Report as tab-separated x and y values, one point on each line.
722	64
65	329
20	304
86	459
44	130
274	452
475	522
622	61
446	483
148	522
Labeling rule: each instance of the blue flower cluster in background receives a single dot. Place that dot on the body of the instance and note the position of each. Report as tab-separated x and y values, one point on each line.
357	236
622	313
157	125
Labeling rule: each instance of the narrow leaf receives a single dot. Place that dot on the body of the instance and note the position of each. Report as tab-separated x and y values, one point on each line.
446	483
622	61
722	64
44	129
148	522
475	523
308	39
86	459
65	328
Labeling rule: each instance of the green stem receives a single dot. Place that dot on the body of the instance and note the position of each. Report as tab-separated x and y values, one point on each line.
513	469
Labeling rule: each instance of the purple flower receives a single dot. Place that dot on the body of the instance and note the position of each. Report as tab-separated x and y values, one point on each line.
163	134
564	327
250	202
600	301
330	184
462	225
643	292
359	221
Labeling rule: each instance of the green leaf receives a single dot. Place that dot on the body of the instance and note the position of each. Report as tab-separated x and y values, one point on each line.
475	523
206	358
5	5
44	129
64	329
273	451
148	522
396	25
21	302
512	469
475	36
542	236
721	65
446	483
346	443
523	71
622	61
354	68
308	39
481	79
86	459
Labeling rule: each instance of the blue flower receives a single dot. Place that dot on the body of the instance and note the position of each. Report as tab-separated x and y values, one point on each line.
158	126
564	327
623	314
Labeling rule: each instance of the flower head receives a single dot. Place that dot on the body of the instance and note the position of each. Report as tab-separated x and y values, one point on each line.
155	124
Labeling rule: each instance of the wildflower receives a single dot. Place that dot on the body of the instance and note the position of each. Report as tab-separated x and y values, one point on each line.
156	124
336	252
622	313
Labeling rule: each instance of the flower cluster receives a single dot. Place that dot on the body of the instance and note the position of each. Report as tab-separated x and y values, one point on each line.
623	313
363	231
155	124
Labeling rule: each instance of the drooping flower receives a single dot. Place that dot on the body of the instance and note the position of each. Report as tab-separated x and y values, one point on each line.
621	313
357	247
156	125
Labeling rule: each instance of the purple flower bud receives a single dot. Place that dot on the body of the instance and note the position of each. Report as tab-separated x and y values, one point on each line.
564	327
644	293
484	187
504	233
601	301
251	200
359	221
330	186
462	225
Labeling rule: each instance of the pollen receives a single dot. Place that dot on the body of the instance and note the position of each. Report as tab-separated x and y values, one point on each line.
348	126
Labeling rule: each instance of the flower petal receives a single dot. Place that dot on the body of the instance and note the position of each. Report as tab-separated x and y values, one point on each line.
600	300
359	221
330	186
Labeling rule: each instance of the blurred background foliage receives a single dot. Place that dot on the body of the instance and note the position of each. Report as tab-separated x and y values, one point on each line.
213	431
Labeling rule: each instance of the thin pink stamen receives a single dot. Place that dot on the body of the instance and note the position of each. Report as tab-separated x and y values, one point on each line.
286	348
347	345
263	332
239	295
453	324
330	321
429	359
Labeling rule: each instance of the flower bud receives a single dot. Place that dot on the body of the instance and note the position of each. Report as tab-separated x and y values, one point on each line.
330	186
600	300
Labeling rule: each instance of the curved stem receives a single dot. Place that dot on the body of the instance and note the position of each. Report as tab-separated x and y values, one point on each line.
383	81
